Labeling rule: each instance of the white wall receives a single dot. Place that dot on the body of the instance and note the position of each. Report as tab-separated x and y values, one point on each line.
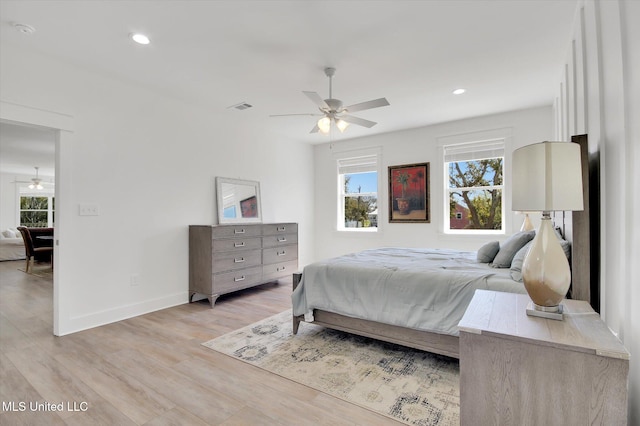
600	95
149	163
416	146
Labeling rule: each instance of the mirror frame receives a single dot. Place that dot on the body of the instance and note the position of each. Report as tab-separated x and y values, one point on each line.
255	184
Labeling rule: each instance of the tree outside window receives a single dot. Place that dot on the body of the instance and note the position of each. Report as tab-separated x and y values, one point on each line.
358	191
360	208
36	211
476	194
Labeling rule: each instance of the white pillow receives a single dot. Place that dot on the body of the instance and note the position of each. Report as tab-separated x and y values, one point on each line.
9	234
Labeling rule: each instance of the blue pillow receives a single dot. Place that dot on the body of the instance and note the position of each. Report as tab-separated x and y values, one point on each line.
518	260
510	247
488	252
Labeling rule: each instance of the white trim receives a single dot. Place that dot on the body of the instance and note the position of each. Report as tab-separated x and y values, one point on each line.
10	111
479	137
365	153
64	124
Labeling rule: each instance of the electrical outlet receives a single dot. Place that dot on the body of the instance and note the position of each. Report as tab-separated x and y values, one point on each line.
134	280
88	209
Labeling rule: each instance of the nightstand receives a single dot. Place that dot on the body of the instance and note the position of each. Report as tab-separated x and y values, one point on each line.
522	370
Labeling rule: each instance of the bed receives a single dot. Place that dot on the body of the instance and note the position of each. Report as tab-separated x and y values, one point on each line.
411	296
361	293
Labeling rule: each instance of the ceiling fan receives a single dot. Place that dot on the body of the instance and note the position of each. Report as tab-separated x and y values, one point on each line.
332	110
36	182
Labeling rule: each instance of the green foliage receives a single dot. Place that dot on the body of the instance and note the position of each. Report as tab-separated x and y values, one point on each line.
358	208
34	203
33	219
403	179
34	211
485	205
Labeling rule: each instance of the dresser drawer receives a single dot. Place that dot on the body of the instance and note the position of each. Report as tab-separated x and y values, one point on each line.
279	240
230	281
279	270
279	228
236	231
226	258
279	254
236	244
230	261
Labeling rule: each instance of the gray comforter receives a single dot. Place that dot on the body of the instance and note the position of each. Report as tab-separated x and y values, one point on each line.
424	289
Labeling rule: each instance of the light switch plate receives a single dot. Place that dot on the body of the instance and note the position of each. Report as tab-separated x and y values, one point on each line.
89	209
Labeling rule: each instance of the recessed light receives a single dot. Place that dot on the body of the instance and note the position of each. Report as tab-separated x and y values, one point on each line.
140	38
459	91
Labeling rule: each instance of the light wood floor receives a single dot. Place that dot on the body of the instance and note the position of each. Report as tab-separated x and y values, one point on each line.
148	370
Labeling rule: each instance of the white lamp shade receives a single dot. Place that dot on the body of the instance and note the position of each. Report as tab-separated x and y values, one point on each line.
547	176
324	124
342	125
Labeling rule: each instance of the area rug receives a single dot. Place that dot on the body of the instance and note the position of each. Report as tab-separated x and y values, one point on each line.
411	386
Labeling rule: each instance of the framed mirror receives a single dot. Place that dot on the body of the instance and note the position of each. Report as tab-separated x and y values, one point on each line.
238	201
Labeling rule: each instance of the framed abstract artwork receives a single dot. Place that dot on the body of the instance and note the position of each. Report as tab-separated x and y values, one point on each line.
409	193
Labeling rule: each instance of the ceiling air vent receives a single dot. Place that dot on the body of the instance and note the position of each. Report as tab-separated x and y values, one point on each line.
241	106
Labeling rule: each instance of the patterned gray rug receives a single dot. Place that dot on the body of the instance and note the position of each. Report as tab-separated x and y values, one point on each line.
411	386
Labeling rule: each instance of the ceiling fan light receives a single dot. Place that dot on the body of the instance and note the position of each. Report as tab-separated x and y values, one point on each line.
324	124
342	125
32	186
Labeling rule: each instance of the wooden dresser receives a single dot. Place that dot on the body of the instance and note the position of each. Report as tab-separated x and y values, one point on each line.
522	370
227	258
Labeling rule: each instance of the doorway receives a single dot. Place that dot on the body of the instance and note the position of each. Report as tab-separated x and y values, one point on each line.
61	127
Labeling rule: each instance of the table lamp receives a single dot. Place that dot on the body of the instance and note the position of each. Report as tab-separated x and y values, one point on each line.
547	177
526	223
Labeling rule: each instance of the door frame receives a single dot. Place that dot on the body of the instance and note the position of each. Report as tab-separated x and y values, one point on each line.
63	125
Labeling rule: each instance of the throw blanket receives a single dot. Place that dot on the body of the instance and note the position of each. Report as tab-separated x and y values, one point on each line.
424	289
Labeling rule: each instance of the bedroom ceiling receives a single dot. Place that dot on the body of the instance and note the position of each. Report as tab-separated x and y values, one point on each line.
216	54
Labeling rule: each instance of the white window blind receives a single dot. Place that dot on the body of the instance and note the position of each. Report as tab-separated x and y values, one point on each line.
367	163
474	151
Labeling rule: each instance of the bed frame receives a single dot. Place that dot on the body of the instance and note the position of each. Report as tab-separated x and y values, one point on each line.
431	342
583	286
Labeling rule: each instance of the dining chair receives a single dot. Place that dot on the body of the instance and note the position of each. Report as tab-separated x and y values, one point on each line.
34	253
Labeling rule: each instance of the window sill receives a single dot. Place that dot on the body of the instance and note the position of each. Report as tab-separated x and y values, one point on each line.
359	230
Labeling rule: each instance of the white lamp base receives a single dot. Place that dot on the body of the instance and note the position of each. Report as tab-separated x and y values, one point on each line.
554	313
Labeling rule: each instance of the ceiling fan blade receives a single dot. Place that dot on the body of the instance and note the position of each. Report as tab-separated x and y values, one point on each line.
315	129
367	105
356	120
29	181
316	99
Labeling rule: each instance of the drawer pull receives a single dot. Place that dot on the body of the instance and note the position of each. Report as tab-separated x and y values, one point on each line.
281	253
281	269
239	244
239	260
282	228
242	278
238	231
282	240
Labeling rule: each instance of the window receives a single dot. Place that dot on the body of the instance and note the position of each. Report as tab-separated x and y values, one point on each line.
474	187
358	193
37	211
